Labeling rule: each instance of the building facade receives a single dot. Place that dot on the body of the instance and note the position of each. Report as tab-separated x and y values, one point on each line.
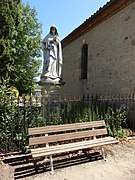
99	55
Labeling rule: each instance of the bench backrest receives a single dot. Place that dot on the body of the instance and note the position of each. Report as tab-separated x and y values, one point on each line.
56	133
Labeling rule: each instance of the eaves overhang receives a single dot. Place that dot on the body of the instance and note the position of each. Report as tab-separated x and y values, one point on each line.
108	10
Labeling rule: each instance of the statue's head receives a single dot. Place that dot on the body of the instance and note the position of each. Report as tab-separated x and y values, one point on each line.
53	30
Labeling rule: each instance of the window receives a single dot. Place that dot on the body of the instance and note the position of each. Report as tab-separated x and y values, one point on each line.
84	62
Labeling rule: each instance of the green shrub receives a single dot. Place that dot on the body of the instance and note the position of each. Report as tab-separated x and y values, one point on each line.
15	118
115	121
7	115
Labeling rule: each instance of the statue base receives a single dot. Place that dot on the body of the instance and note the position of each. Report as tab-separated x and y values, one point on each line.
50	92
52	81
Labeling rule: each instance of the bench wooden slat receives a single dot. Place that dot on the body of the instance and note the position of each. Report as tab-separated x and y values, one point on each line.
65	127
66	136
72	146
77	144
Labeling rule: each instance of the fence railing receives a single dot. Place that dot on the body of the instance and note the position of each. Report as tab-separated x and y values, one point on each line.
16	115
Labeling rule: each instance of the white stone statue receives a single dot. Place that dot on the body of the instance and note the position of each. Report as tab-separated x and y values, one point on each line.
52	54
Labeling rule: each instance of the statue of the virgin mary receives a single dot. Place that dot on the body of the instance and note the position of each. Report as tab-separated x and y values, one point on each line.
52	54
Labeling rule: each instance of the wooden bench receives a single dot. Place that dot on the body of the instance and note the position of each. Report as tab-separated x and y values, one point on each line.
85	135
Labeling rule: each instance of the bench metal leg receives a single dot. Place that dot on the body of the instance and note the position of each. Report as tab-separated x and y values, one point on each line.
35	165
103	154
46	159
51	164
47	145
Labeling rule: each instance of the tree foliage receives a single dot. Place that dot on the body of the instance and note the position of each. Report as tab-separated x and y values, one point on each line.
20	45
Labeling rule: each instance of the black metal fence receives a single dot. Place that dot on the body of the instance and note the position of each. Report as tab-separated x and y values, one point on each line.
16	115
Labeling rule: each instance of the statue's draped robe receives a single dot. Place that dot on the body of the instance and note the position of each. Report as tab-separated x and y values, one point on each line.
52	54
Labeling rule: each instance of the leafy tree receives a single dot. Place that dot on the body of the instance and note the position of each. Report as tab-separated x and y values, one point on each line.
20	45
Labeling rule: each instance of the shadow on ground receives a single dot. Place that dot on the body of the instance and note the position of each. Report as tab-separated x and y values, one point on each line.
24	166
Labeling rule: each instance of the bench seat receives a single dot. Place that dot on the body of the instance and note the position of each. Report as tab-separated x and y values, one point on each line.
52	150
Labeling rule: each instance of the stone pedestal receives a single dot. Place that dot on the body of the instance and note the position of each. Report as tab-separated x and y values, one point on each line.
50	96
50	87
50	92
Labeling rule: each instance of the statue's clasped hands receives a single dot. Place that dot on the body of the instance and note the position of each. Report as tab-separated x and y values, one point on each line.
54	39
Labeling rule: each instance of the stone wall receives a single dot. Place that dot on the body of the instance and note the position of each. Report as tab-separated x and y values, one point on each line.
111	57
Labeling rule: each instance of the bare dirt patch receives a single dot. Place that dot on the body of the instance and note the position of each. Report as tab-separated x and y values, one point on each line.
6	172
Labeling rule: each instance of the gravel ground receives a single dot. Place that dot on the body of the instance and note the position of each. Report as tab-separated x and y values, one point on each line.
119	164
